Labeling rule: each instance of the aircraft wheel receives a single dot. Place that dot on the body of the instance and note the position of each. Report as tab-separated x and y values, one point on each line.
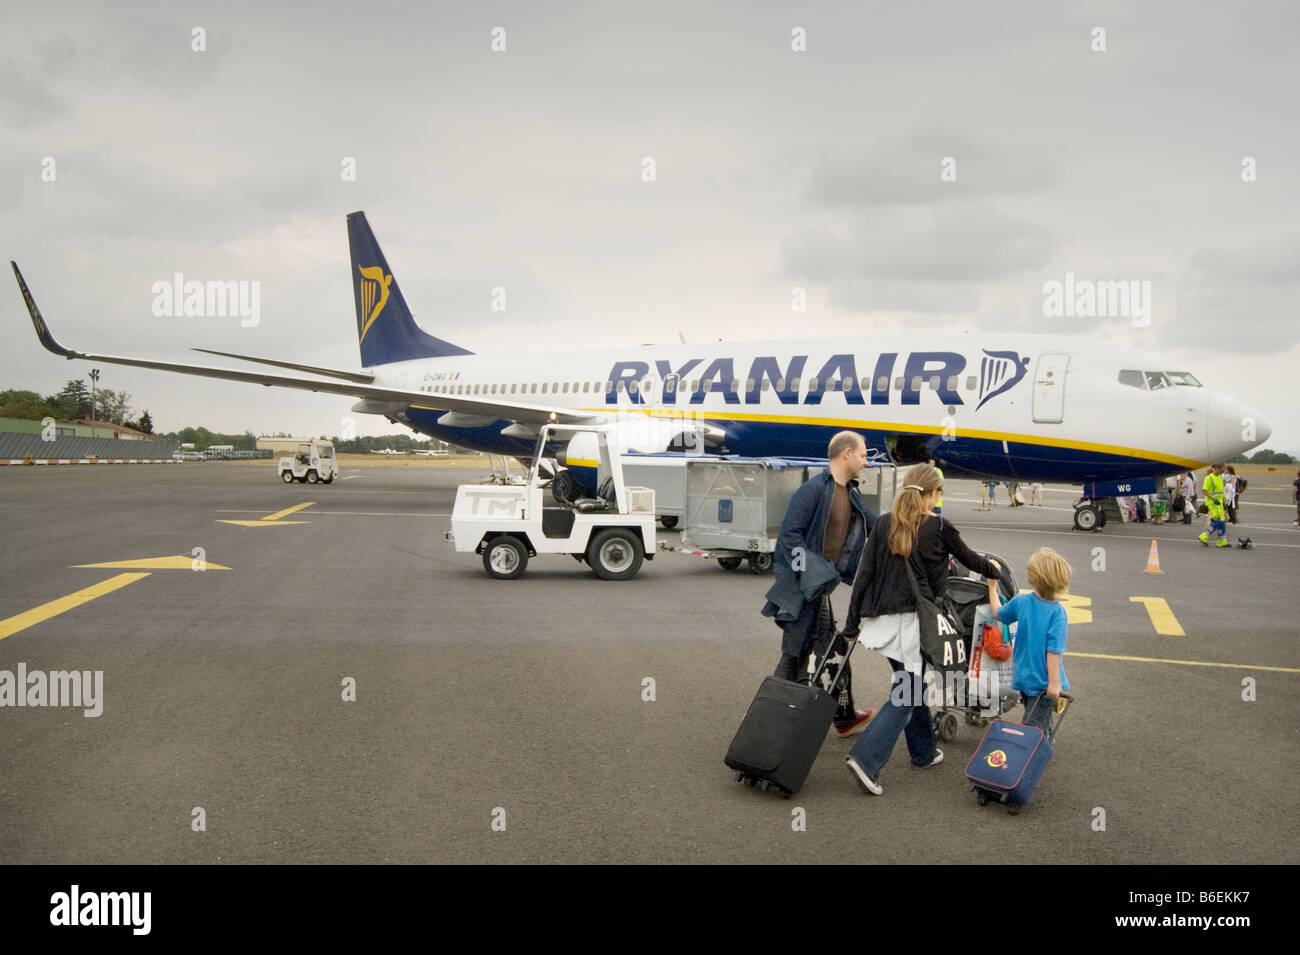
328	480
1086	518
505	558
286	477
760	563
728	563
312	476
669	521
615	554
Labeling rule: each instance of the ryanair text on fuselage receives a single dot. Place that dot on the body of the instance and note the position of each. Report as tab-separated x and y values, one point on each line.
999	371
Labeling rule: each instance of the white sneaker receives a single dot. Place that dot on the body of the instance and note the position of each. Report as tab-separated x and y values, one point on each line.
938	758
866	782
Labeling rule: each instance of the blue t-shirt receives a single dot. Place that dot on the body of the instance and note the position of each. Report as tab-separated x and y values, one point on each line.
1041	630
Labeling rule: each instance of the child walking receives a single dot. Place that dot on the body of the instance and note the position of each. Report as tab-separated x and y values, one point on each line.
1040	636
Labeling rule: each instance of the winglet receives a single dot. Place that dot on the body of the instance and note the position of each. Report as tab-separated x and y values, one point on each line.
42	331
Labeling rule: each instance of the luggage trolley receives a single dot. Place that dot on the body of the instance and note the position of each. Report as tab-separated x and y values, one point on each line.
734	505
973	699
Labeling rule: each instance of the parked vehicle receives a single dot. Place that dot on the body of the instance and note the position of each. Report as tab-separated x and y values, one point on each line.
313	462
508	524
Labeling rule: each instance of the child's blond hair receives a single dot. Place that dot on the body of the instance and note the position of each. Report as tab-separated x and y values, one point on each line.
1049	573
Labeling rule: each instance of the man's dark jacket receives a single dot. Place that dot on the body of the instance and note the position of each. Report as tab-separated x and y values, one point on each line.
805	527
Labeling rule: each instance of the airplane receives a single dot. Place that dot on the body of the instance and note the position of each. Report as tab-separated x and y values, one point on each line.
430	453
387	451
993	406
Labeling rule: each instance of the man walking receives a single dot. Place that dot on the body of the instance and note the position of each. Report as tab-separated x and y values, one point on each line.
821	539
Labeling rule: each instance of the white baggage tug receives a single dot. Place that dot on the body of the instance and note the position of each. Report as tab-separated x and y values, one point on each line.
313	462
613	531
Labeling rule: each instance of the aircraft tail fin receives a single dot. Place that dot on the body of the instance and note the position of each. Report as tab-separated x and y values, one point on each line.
386	331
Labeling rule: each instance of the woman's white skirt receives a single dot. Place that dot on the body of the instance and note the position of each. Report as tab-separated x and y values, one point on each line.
896	635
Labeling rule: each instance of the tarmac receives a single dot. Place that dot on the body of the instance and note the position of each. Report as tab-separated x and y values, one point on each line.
516	721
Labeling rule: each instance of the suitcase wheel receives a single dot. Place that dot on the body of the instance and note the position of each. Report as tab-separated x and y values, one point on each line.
786	794
1013	810
750	781
982	799
740	776
764	785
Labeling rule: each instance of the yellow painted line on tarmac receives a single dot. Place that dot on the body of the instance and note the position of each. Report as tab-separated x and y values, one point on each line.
287	511
179	562
1186	663
273	520
55	607
1162	618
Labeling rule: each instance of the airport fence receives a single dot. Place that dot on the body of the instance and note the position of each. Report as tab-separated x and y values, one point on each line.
15	447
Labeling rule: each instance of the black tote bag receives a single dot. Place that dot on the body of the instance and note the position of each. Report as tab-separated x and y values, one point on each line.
942	644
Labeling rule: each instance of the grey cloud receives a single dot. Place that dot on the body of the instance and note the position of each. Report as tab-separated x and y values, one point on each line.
945	244
907	172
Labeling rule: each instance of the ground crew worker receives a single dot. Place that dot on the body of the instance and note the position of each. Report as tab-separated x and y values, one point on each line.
938	504
1213	488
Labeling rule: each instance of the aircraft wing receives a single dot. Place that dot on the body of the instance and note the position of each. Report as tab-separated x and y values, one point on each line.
399	398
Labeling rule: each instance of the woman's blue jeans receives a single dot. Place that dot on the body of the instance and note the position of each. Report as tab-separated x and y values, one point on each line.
904	712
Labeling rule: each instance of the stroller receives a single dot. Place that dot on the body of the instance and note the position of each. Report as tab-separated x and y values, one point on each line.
985	693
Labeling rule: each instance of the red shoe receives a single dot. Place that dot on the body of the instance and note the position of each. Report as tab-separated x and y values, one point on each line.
859	723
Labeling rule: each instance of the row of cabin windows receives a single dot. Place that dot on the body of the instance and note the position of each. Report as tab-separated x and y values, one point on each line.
672	386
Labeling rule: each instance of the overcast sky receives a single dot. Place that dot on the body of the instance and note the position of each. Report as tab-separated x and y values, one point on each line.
523	169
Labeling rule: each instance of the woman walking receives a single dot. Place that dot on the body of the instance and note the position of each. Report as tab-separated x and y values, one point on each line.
882	612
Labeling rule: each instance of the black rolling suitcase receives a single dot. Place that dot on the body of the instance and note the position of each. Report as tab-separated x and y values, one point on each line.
785	726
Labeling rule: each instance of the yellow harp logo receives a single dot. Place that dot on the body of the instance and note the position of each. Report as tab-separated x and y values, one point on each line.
374	295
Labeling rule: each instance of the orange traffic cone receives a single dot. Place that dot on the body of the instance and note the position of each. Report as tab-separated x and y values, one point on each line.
1153	561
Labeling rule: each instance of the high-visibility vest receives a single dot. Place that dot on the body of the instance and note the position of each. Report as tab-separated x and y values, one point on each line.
1214	488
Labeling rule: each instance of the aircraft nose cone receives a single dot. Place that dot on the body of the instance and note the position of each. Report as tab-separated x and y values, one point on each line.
1233	428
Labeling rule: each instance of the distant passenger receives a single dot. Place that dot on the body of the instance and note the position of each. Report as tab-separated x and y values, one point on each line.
1240	488
1188	488
1295	498
1230	494
820	542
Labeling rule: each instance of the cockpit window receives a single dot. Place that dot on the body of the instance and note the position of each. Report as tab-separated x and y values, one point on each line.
1153	380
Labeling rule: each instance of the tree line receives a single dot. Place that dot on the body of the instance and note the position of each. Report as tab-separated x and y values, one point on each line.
73	402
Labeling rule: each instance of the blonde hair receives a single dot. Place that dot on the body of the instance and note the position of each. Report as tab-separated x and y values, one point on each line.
909	508
1049	573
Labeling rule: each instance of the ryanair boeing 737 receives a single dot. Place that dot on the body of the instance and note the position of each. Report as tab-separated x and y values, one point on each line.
1028	408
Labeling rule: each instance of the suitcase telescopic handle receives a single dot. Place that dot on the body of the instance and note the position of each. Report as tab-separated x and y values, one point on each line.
1062	705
